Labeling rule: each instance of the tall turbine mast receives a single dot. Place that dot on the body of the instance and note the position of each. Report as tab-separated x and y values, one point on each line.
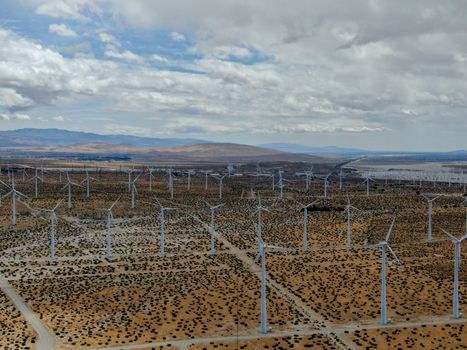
213	224
430	215
162	230
108	238
13	193
348	209
305	223
457	256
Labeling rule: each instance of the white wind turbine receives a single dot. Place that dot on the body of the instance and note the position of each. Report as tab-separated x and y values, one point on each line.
13	193
308	176
457	256
130	172
162	232
273	184
213	224
326	184
206	174
87	180
189	173
230	169
348	210
68	186
221	184
53	223
108	238
134	191
430	215
367	181
151	176
36	178
7	186
280	183
305	223
170	183
262	255
384	245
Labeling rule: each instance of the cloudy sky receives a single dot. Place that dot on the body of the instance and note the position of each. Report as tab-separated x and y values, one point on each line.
374	74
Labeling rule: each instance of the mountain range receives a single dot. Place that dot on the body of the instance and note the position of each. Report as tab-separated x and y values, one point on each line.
56	143
58	137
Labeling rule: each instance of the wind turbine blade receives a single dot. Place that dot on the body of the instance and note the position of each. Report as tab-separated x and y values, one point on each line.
393	254
58	204
21	194
111	207
454	239
390	230
158	202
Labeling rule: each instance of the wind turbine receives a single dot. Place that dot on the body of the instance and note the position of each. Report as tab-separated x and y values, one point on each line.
87	179
68	185
13	193
326	184
108	239
348	209
262	255
134	191
213	223
36	177
206	173
53	222
230	169
189	173
430	214
280	183
457	256
130	171
171	183
384	245
367	181
305	223
162	220
308	176
151	176
220	178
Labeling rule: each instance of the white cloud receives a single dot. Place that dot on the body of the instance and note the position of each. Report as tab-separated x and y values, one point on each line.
159	58
21	116
125	55
225	52
4	116
177	36
123	129
109	39
10	98
67	9
59	119
62	30
351	67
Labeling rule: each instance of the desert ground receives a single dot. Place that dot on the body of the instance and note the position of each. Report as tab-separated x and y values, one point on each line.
120	292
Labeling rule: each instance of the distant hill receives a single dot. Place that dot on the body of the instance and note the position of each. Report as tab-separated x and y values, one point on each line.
59	137
204	152
329	150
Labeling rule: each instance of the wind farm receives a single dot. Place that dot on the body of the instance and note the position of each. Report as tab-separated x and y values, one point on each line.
148	256
267	174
